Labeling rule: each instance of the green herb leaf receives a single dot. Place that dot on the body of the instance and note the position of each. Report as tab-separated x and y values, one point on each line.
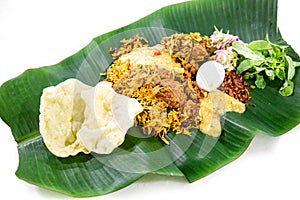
259	45
248	64
84	175
270	74
244	66
296	64
242	49
259	69
291	68
260	81
276	62
280	46
280	73
287	88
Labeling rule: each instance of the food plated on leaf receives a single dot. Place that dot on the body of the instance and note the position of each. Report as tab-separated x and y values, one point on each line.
173	101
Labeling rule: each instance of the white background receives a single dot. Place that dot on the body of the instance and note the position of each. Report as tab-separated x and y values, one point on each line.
36	33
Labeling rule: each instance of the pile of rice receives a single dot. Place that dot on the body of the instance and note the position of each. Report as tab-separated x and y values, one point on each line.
163	80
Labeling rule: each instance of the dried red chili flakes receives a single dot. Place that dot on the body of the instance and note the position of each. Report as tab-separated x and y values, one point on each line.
235	86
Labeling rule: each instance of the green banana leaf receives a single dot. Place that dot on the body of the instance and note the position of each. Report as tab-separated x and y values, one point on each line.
192	156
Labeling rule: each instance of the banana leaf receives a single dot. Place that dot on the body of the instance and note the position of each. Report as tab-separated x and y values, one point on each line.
192	156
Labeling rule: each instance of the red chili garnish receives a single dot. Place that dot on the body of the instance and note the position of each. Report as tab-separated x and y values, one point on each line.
157	53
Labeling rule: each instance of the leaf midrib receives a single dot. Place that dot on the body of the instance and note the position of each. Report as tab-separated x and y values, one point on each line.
28	137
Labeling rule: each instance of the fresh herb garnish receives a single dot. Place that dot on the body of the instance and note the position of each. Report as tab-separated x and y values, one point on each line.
262	59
